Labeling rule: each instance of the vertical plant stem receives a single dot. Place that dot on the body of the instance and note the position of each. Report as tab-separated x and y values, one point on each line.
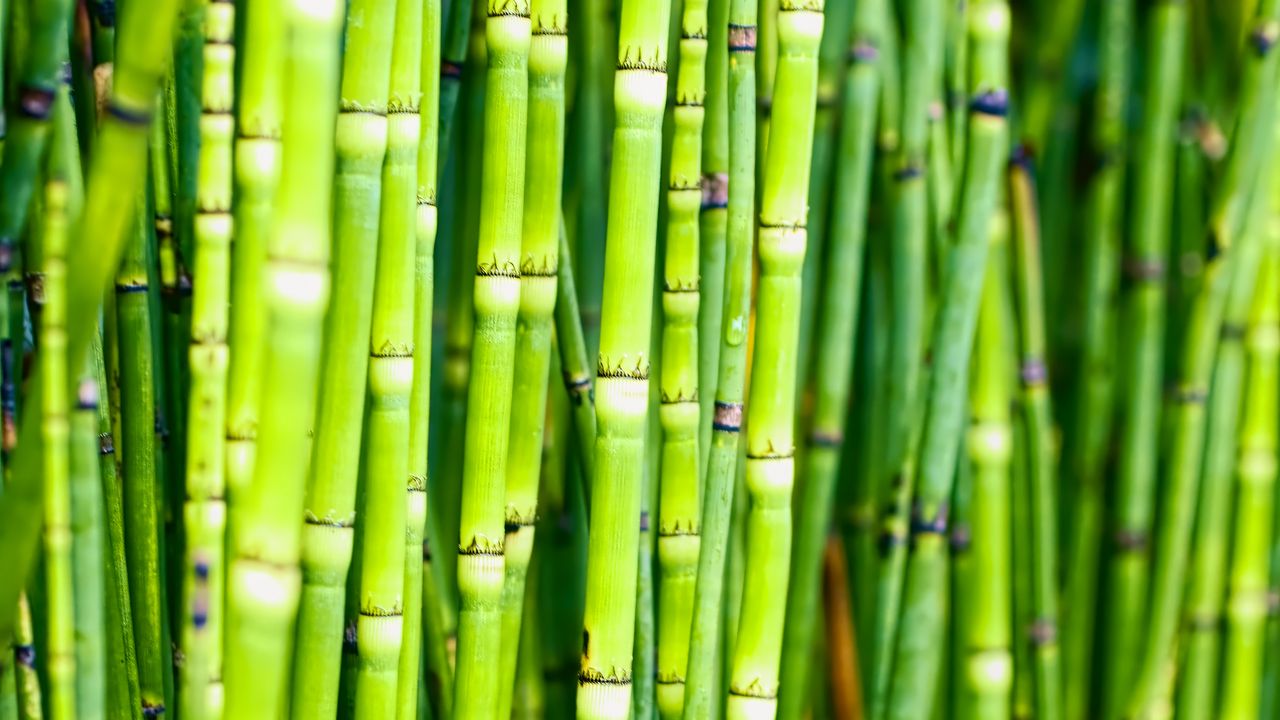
640	88
328	537
680	410
576	372
832	372
1142	323
264	580
770	463
702	694
712	218
916	668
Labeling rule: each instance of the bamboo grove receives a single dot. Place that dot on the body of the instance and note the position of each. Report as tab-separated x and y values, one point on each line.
611	359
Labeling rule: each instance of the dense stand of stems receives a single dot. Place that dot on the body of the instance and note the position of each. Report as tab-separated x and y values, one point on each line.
1139	376
680	410
1252	140
497	298
539	261
702	696
916	668
329	535
264	579
832	371
640	89
384	498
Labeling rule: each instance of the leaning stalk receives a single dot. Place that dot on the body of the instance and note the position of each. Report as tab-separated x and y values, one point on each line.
702	697
575	371
916	668
680	411
539	260
770	463
329	534
640	88
263	578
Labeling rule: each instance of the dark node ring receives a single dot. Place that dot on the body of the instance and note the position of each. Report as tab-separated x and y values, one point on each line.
826	438
450	69
1263	39
1042	632
715	190
1144	269
742	38
864	51
1033	372
889	541
152	710
1190	396
644	521
1132	540
129	116
935	526
911	172
961	538
994	103
727	417
35	101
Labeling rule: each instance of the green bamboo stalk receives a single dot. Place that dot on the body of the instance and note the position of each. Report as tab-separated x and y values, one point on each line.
539	260
680	410
908	289
456	37
88	553
1142	323
916	665
1251	141
142	491
115	179
461	318
703	692
1198	682
205	507
832	372
259	107
955	80
1255	494
36	78
712	218
421	594
832	58
8	688
123	692
577	374
497	298
528	698
1090	437
1037	418
640	88
30	706
987	626
60	208
644	662
263	579
770	459
380	627
1054	32
361	141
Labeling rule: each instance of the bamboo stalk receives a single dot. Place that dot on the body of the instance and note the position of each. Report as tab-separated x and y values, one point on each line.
205	507
1140	373
703	681
539	262
1246	600
577	374
680	410
61	206
361	141
421	594
1037	421
380	627
263	579
770	463
915	666
832	371
604	680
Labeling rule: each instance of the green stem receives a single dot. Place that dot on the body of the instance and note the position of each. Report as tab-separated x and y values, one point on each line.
640	88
